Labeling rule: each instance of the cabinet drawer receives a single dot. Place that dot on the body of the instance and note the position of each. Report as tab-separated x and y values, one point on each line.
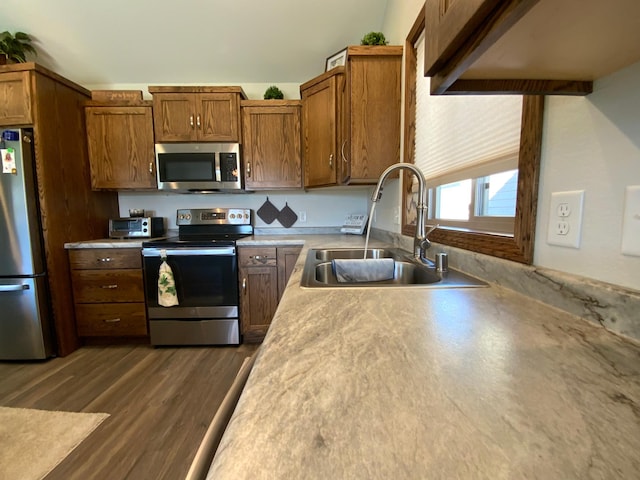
257	257
105	258
122	319
98	286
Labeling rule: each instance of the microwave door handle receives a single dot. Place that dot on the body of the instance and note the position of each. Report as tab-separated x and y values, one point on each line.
218	174
187	252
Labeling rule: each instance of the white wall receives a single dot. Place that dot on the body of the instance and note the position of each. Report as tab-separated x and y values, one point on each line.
590	143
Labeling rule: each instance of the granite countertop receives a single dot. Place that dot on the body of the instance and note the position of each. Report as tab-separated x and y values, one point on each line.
406	383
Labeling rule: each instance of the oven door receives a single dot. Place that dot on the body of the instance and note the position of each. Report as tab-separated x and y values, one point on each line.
206	282
207	287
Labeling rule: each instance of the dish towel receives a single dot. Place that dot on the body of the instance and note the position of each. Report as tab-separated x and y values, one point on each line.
167	295
363	270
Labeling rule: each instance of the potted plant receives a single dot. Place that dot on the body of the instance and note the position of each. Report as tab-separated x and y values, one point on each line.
273	93
374	38
13	48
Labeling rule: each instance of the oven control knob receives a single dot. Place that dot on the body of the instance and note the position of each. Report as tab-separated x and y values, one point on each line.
232	216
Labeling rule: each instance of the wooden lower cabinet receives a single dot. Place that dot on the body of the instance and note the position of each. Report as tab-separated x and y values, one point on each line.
264	273
108	292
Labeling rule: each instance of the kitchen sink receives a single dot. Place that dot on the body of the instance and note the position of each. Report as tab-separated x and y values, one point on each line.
408	272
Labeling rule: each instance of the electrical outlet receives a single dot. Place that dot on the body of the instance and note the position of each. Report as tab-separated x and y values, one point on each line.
562	228
565	219
302	217
564	210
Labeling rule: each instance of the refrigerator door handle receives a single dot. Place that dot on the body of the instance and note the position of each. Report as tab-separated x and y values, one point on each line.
13	288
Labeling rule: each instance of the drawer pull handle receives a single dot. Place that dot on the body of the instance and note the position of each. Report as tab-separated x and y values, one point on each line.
106	259
109	286
198	121
191	121
111	320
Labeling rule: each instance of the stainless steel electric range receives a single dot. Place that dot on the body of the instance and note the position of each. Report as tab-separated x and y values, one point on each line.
204	264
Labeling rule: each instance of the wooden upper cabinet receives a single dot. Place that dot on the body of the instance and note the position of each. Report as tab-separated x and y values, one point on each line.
321	122
351	118
121	146
451	23
527	46
272	147
15	99
197	114
373	110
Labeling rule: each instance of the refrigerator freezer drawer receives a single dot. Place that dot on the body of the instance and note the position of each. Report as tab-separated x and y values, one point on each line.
25	331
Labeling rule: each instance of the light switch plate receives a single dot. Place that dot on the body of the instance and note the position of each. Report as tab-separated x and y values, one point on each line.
565	219
631	221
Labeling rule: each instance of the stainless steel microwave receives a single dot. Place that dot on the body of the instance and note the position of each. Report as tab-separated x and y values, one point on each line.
199	167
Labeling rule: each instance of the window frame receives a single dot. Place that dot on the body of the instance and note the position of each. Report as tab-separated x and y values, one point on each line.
518	247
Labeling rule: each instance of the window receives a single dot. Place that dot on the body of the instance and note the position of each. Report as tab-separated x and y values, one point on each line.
495	210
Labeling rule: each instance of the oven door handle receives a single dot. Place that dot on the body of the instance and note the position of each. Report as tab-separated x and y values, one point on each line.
212	252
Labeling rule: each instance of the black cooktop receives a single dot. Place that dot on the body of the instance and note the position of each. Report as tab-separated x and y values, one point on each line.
203	236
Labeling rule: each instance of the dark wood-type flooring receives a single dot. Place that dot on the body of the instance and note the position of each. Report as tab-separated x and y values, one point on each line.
161	401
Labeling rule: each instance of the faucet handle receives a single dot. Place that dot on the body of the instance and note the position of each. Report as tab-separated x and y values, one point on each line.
431	229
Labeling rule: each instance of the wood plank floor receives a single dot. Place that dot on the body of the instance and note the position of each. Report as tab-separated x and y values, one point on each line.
161	401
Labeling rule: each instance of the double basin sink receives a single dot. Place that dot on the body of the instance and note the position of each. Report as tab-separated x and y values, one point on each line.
408	272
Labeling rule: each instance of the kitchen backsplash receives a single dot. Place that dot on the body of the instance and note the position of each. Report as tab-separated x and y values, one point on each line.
319	208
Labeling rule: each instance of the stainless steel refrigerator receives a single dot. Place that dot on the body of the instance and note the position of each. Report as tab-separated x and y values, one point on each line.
26	328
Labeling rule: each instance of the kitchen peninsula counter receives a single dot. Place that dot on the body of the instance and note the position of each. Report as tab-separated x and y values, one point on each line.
417	383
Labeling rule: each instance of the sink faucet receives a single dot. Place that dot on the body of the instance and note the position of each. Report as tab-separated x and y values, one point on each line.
420	242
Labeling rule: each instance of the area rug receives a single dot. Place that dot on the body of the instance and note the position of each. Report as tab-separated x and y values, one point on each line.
34	442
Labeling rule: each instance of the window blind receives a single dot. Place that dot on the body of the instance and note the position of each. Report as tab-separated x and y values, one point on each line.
457	132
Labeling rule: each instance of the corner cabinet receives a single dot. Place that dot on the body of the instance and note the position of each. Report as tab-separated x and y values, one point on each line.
263	276
272	146
121	145
351	118
108	292
524	46
197	114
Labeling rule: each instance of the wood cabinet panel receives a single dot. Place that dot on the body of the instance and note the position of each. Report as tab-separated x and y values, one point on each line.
272	145
374	115
320	129
121	147
105	258
217	117
264	273
259	300
287	258
108	292
257	256
189	114
15	99
111	320
107	286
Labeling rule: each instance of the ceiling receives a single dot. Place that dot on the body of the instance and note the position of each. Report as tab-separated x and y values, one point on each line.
190	41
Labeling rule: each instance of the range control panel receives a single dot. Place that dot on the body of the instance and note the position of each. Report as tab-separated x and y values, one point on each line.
213	216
